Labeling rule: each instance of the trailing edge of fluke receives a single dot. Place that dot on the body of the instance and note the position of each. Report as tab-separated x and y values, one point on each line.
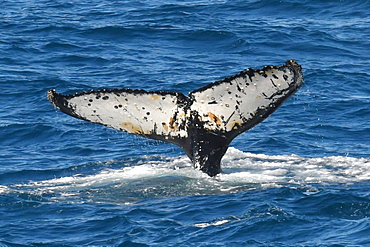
203	123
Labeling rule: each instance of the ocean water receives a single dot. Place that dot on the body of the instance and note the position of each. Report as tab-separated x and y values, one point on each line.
300	178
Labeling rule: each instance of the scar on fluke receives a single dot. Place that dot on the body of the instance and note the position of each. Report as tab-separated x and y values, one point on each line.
203	123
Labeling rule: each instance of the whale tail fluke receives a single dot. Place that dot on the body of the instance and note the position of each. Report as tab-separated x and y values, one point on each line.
202	124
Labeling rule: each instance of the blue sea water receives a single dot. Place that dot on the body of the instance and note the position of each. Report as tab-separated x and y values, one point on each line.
300	178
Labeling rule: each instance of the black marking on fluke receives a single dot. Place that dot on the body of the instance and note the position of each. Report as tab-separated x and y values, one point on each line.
202	124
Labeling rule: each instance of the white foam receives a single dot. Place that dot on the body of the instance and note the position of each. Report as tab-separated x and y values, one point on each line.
175	177
3	189
216	223
294	169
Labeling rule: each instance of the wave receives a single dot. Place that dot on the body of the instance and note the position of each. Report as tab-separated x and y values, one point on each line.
128	181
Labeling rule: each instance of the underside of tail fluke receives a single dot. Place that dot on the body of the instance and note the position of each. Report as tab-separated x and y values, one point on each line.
238	103
156	115
203	124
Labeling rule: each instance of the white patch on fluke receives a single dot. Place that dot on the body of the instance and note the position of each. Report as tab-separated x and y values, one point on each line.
230	104
136	113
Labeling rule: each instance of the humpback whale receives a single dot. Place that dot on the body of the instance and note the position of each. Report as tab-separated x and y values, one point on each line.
203	123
